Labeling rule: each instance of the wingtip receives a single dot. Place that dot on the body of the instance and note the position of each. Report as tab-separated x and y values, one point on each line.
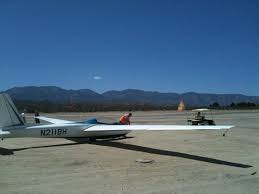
229	126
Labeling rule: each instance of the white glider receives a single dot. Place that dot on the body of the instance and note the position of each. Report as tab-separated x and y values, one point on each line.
12	125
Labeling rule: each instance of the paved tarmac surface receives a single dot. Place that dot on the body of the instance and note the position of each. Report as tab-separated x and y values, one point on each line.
183	161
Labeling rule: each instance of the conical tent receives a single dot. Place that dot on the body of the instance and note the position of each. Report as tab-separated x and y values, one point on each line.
181	106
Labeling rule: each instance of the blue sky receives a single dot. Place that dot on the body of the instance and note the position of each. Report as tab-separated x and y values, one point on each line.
169	46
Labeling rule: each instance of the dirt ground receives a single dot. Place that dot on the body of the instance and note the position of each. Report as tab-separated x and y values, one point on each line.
183	161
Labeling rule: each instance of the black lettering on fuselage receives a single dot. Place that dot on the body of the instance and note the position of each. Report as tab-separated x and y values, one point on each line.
53	132
59	131
47	132
42	133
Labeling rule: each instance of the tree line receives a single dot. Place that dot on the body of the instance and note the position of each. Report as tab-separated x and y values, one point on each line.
240	105
50	107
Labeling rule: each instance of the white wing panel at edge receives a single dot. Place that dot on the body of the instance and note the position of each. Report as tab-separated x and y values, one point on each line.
154	127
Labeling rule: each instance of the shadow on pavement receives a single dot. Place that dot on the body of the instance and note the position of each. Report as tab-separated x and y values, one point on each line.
111	143
4	151
168	153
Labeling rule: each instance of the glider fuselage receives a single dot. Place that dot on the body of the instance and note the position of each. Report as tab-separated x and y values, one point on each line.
59	131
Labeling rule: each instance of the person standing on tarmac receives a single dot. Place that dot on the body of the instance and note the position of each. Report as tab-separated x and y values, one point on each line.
36	114
125	119
23	117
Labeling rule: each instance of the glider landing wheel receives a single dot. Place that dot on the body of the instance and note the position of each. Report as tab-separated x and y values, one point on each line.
92	139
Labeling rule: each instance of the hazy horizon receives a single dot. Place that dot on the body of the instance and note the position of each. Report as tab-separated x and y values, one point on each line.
101	92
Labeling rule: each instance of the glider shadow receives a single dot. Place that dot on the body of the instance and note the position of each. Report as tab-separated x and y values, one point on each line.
168	153
76	141
5	151
111	143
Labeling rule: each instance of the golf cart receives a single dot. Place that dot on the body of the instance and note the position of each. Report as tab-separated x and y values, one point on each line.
199	117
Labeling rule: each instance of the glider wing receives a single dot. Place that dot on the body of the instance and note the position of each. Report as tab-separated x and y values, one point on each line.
154	127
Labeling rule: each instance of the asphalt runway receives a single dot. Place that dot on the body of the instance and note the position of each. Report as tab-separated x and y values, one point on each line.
183	161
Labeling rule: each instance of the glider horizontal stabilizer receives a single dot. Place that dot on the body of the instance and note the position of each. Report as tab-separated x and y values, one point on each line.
54	121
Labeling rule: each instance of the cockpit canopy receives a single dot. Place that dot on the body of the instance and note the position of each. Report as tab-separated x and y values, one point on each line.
91	121
104	121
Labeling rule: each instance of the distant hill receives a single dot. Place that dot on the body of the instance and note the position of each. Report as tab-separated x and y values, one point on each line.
59	95
141	96
53	94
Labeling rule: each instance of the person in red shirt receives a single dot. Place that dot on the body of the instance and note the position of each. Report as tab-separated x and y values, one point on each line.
125	119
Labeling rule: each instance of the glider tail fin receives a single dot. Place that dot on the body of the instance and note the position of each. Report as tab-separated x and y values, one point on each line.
9	116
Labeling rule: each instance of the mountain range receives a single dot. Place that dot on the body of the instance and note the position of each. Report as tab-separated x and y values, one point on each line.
60	95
